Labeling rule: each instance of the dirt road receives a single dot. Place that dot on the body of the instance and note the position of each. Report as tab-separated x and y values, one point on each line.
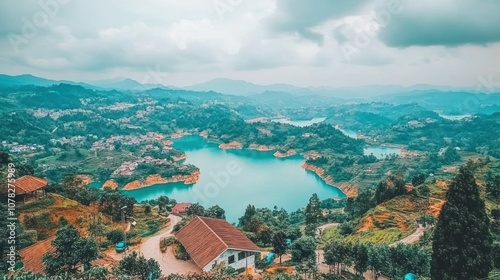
412	238
150	248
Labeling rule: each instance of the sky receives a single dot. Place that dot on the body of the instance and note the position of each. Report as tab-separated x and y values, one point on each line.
305	43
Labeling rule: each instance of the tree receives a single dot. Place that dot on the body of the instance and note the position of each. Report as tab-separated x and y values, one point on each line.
462	241
25	169
313	215
303	249
418	180
111	203
360	258
338	253
215	212
378	259
137	266
493	187
196	209
115	236
70	249
247	216
279	243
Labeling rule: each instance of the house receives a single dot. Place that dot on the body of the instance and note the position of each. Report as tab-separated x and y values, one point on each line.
180	208
211	242
30	186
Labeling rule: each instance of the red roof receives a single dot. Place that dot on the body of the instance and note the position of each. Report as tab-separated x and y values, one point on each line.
32	256
27	184
180	207
205	239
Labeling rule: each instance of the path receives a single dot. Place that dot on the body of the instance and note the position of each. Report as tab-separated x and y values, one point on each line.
150	248
321	229
412	238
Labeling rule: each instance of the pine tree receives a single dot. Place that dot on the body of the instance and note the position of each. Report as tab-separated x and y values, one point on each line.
313	215
462	240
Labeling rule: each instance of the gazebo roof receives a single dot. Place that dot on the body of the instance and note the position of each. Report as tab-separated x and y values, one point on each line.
28	183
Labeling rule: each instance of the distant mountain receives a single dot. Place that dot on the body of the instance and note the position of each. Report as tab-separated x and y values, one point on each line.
240	87
126	84
6	80
452	102
116	83
26	79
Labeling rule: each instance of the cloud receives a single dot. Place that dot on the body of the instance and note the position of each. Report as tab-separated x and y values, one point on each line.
299	17
447	23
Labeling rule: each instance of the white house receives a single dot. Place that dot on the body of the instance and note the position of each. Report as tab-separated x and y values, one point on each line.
211	241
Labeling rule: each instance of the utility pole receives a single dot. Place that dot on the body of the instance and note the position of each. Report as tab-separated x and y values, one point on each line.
124	229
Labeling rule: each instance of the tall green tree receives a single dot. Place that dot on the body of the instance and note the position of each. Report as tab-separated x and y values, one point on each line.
279	243
313	215
462	241
70	249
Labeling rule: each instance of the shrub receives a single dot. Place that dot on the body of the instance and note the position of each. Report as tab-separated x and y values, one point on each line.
115	236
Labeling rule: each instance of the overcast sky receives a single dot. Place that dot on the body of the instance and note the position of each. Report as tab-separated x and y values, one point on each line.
300	42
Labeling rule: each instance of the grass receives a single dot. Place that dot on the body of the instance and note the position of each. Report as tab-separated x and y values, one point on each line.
42	203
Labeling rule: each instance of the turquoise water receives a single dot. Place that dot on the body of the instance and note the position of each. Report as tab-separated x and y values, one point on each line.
235	178
380	151
299	123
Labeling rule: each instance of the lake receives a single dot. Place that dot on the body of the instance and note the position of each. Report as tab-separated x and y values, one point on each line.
378	151
233	179
299	123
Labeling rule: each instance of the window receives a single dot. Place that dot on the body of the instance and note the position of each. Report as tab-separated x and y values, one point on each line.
241	255
230	259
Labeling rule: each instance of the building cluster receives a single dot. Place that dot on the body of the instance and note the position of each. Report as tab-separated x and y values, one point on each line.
130	140
73	140
127	167
56	114
16	147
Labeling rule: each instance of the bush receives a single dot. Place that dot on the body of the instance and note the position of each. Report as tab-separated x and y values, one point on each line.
180	253
346	228
115	236
167	241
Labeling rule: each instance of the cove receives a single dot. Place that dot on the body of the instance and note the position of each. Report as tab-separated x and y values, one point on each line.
233	179
378	151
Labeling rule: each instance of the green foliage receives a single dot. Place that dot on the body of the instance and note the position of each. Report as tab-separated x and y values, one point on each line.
111	203
303	249
418	180
313	215
279	243
393	186
41	223
215	212
70	249
462	240
195	209
493	187
347	228
338	253
115	236
357	206
135	265
39	204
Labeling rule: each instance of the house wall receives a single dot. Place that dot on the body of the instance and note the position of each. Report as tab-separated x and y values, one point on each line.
249	262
